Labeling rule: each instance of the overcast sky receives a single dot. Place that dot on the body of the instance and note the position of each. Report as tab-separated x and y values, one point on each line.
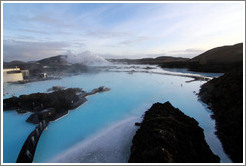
32	31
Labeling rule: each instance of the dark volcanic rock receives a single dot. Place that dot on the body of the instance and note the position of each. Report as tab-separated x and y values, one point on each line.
225	97
49	106
168	135
38	101
56	88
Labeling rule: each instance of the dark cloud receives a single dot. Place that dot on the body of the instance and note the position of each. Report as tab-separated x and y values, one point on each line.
27	51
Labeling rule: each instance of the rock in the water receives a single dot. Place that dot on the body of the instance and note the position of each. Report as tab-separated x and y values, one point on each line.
56	88
49	106
168	135
103	89
35	102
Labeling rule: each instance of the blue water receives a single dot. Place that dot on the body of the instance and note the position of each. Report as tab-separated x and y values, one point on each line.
15	132
101	130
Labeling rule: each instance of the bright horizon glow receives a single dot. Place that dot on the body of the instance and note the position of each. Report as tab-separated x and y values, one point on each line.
33	31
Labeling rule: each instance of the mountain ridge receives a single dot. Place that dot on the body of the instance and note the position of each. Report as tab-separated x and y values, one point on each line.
218	59
223	54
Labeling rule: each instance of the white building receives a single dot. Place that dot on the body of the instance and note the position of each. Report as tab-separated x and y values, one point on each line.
43	75
12	75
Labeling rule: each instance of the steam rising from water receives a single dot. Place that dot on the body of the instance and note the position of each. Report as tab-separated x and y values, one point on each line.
86	58
109	146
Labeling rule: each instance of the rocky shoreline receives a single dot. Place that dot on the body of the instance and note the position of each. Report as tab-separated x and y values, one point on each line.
49	106
224	95
166	135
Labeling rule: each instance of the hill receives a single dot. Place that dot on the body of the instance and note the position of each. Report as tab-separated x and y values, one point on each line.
157	60
15	63
221	55
55	60
220	59
53	66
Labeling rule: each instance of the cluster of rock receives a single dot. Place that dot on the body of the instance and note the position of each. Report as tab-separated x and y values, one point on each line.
49	106
166	135
225	97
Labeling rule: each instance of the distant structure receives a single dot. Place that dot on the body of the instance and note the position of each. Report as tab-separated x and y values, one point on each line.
12	75
25	74
43	75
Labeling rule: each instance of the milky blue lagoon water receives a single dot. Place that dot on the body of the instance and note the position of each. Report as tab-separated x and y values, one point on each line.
101	130
185	70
